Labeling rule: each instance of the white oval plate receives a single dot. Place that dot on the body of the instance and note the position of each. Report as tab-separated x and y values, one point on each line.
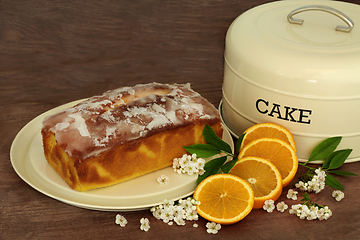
29	163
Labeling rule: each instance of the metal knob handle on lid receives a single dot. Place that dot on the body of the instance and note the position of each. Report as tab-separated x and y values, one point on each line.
331	10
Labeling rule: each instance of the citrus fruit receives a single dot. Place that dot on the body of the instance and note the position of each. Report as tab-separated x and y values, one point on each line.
269	130
224	198
280	153
264	178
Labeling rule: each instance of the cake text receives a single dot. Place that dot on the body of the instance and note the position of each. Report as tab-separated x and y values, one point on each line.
286	113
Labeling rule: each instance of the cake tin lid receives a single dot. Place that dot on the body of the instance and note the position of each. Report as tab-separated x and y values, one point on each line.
319	58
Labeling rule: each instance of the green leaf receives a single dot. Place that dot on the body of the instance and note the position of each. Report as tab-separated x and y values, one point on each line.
324	149
228	166
239	142
202	150
211	138
339	159
327	160
212	167
342	173
305	197
333	182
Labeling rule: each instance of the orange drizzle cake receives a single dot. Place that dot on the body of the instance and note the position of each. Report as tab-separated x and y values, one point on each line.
125	133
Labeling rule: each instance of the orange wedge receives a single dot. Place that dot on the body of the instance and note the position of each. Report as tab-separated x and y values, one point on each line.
224	198
268	130
264	178
280	153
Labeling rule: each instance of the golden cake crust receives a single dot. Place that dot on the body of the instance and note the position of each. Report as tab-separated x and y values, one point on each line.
125	133
126	161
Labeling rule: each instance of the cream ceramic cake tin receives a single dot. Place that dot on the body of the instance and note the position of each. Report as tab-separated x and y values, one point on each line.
296	63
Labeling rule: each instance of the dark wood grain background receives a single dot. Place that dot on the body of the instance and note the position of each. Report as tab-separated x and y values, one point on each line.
54	52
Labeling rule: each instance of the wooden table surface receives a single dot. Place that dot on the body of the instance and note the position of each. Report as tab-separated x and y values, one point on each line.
55	52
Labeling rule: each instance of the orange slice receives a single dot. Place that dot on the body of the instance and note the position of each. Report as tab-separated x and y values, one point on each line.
280	153
264	178
269	130
224	198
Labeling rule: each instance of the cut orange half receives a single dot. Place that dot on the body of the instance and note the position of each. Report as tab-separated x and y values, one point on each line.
268	130
264	178
224	198
280	153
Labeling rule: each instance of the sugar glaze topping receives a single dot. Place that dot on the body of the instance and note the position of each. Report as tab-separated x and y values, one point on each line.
126	114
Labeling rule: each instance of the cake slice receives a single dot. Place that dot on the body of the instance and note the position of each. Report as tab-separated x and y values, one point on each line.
125	133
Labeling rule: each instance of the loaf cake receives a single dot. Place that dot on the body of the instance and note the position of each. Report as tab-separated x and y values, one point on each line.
125	133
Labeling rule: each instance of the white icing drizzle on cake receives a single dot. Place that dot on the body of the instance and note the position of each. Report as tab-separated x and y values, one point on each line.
126	114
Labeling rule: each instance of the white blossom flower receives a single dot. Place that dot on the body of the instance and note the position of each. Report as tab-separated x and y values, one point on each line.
168	203
328	212
321	215
303	211
292	194
186	204
179	220
269	205
324	213
184	161
195	225
311	185
299	210
338	195
281	206
311	213
320	174
190	169
195	202
144	224
163	179
167	214
158	213
301	185
121	220
179	212
294	209
201	171
213	227
191	215
200	162
176	163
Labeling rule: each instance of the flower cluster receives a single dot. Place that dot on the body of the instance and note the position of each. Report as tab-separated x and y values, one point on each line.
310	210
189	164
312	182
170	212
303	211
